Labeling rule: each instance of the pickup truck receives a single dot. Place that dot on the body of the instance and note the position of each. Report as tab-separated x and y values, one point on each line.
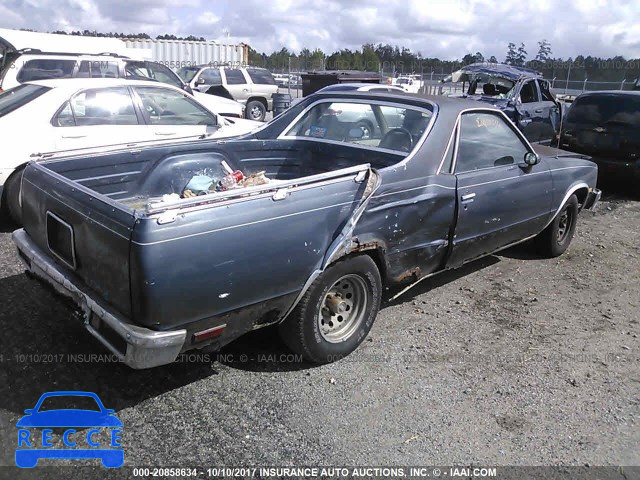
164	254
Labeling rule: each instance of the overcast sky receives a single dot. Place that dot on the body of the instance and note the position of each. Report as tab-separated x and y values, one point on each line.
445	29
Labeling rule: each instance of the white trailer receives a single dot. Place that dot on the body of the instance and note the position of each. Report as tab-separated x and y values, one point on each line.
183	53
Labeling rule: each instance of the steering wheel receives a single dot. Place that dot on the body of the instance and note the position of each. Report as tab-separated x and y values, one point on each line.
397	139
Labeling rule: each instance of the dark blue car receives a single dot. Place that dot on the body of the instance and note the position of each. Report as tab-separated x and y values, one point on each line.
93	416
521	93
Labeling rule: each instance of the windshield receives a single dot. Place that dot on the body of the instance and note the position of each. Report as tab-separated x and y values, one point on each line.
187	73
17	97
395	128
492	86
606	110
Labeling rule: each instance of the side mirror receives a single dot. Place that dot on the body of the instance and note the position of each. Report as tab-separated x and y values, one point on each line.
531	159
200	80
29	411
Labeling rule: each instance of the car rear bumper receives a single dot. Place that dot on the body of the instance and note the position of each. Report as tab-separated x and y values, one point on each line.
593	197
136	346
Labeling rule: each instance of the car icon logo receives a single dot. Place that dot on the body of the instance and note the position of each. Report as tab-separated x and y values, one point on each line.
91	431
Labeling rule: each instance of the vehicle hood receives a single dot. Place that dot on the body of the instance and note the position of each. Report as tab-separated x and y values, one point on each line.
219	104
69	418
236	126
47	42
498	102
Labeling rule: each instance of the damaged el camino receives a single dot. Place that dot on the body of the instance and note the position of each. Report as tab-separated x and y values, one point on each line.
302	223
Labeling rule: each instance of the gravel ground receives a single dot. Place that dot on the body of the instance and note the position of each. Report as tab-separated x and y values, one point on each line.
511	360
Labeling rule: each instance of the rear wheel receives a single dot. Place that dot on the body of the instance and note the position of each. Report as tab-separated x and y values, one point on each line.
256	110
336	313
11	209
555	239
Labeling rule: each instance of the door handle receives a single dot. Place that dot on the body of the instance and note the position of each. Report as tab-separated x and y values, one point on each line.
468	197
73	136
539	110
165	133
245	89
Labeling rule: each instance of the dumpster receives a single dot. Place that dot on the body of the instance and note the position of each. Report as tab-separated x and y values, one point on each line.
314	81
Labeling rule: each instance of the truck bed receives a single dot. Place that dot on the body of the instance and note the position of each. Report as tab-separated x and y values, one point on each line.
167	262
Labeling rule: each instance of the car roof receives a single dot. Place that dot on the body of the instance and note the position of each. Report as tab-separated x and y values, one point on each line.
510	72
454	104
608	92
357	86
76	83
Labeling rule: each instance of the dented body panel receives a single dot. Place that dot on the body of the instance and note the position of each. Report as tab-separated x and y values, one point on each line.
233	262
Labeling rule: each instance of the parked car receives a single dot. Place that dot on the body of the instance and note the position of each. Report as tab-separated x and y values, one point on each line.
71	114
251	86
281	79
26	67
320	223
521	93
362	87
606	126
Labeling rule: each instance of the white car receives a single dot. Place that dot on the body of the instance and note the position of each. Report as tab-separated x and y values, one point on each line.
362	87
59	115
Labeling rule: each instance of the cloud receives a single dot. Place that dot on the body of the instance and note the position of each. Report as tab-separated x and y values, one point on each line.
446	29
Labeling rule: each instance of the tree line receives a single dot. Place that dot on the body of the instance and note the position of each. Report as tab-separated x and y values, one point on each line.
393	59
397	60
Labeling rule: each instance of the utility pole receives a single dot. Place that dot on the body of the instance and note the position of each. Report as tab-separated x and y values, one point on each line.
289	78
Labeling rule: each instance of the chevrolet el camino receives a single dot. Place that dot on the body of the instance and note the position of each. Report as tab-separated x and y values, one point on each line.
302	223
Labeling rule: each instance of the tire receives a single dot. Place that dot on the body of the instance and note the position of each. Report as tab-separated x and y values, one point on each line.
325	327
367	129
11	209
255	110
555	239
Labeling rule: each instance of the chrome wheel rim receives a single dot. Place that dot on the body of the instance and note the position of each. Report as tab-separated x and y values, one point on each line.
343	309
564	222
256	113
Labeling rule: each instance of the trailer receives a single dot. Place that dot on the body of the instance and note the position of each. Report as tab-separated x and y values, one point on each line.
183	53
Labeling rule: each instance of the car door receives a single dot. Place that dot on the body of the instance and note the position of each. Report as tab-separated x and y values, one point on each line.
97	117
529	111
500	199
550	112
237	84
173	114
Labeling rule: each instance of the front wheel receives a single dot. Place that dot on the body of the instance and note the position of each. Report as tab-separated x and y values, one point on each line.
337	311
256	111
555	239
11	198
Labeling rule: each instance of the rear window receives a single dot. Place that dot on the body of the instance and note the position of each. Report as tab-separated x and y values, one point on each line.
600	110
45	68
19	96
261	77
